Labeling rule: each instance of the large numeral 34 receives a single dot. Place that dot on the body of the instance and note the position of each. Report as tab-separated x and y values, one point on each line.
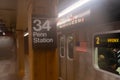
38	26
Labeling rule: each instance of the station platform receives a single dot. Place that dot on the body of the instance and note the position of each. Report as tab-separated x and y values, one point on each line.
8	69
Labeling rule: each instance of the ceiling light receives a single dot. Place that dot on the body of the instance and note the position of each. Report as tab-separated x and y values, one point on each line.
26	34
3	33
72	7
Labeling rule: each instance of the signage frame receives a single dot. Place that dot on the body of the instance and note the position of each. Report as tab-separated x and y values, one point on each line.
44	33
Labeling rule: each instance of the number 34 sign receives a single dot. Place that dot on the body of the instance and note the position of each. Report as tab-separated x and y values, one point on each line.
44	33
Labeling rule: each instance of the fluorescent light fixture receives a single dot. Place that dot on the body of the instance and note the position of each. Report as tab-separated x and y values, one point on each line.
26	34
72	7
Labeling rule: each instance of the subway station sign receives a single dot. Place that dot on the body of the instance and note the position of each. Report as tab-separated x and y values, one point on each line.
44	33
107	40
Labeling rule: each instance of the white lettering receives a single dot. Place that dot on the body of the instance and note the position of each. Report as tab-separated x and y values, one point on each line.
39	26
43	40
37	34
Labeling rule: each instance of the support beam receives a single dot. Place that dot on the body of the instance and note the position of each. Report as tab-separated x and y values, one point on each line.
20	53
43	62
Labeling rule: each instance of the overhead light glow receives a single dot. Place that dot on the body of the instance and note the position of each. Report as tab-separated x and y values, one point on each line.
26	34
4	33
72	7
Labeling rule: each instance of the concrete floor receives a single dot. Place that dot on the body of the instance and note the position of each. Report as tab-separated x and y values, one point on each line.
8	69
